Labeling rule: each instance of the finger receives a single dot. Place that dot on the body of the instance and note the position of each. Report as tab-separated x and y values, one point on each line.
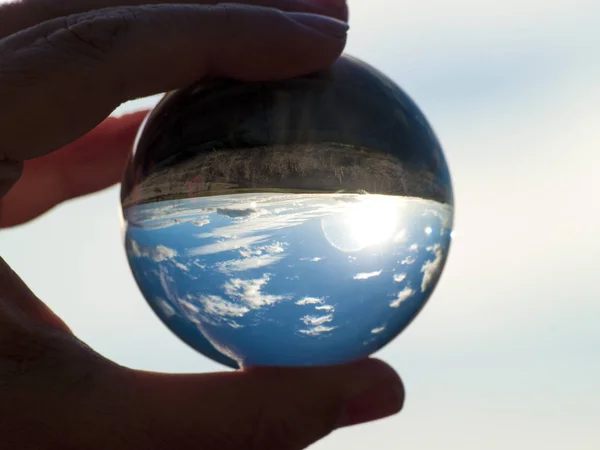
10	171
63	77
16	297
281	409
23	14
90	164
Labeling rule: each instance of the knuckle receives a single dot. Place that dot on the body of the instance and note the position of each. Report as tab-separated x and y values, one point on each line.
92	35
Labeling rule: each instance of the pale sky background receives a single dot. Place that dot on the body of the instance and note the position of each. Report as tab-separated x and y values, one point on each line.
507	352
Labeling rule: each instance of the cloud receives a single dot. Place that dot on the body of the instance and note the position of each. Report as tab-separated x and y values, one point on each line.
377	330
367	275
182	266
218	306
409	260
428	231
277	247
201	222
444	213
165	308
250	292
310	301
274	248
403	295
413	248
315	259
292	210
159	253
237	213
431	269
399	277
252	262
254	258
188	306
317	320
156	216
317	331
325	308
225	245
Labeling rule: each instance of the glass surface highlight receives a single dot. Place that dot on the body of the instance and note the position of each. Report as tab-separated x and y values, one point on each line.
289	223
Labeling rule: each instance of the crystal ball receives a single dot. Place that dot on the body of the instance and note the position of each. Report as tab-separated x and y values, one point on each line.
296	222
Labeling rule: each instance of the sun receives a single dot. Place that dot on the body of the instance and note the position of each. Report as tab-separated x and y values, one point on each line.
366	222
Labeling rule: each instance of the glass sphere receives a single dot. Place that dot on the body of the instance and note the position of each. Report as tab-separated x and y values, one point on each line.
288	223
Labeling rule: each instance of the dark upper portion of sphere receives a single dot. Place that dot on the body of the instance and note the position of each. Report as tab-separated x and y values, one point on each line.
348	128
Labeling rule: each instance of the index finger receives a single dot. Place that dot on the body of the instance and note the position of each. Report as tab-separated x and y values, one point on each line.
63	77
19	15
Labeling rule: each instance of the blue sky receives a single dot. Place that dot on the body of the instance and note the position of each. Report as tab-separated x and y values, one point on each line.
505	355
279	279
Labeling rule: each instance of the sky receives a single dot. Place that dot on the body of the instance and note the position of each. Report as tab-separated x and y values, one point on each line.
505	355
288	279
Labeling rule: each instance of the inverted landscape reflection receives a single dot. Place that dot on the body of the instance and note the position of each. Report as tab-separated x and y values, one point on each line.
288	278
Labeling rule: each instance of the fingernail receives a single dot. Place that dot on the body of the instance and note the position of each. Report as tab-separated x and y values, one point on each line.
374	404
323	24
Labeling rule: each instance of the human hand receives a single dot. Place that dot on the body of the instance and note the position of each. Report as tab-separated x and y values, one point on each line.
70	65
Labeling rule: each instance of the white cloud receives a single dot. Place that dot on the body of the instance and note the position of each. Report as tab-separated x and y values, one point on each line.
409	260
218	306
159	253
277	247
402	296
188	305
317	320
225	245
367	275
249	291
182	266
253	262
254	258
302	207
310	301
431	269
377	330
444	213
156	216
201	222
317	331
315	259
413	248
236	213
325	308
165	308
399	277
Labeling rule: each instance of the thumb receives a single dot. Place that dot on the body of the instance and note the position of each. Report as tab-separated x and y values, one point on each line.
17	300
10	171
265	408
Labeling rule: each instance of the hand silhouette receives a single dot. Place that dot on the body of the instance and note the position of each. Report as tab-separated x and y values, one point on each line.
64	67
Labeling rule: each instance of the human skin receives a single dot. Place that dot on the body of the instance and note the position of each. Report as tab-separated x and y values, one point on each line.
64	67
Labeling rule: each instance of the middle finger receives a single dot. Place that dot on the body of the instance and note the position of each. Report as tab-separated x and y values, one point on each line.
27	13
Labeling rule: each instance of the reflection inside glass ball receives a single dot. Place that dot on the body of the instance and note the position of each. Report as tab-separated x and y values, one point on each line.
291	223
